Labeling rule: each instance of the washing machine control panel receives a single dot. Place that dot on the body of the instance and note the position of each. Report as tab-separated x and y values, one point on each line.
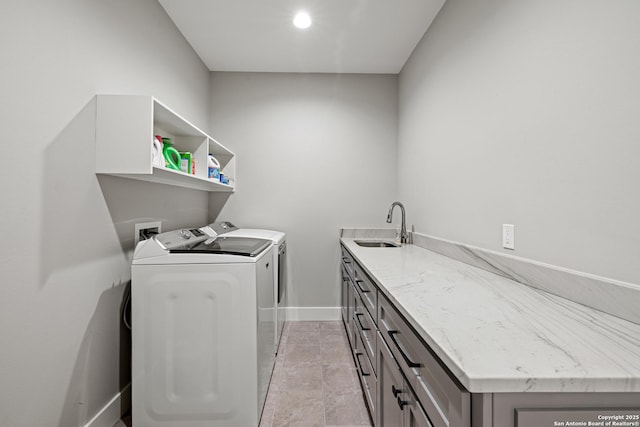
176	238
222	227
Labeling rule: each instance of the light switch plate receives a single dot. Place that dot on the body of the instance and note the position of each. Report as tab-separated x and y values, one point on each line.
508	236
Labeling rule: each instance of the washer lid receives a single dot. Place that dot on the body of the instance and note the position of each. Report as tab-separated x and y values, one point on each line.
275	236
242	246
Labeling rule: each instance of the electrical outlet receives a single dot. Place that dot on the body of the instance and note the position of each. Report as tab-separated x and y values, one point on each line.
508	236
145	227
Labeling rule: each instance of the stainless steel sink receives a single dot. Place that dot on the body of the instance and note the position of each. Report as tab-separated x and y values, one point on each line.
376	243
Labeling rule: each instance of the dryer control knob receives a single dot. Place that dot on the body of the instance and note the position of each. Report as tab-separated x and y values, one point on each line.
185	234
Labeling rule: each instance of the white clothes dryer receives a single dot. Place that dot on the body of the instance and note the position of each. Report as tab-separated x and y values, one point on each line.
202	329
280	278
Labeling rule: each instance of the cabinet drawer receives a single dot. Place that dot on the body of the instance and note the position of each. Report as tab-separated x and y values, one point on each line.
352	330
367	290
346	308
347	260
367	375
446	403
367	329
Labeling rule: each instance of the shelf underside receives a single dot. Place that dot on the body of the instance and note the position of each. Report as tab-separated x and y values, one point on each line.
178	179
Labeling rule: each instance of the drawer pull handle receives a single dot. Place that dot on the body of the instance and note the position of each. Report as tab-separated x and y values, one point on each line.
404	356
402	403
360	323
363	373
346	260
395	391
363	290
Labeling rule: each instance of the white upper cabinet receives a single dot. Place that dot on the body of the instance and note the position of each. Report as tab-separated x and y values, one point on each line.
125	129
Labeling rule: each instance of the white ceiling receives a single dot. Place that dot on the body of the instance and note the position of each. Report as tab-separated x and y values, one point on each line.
346	36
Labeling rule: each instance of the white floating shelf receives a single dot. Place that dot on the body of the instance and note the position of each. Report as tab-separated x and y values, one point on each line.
125	127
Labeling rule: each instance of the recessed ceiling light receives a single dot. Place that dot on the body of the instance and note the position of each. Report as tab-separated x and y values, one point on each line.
302	20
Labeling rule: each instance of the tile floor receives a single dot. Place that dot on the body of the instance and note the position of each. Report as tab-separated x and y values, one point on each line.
314	382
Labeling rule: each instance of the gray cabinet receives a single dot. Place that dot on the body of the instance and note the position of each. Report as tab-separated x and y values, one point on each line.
390	385
543	409
445	402
359	307
406	384
366	374
364	331
397	403
415	415
347	290
366	289
402	382
366	328
347	261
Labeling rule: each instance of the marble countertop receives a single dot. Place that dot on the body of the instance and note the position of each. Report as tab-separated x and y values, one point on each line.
496	335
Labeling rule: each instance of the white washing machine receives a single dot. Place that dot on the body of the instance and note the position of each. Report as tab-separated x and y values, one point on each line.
203	327
279	261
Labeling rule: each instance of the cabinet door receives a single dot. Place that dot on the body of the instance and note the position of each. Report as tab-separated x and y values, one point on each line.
390	387
414	416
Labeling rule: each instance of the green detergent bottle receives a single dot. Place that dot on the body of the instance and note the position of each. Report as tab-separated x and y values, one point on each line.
171	155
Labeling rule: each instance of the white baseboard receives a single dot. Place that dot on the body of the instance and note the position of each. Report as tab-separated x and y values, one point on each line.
113	410
313	313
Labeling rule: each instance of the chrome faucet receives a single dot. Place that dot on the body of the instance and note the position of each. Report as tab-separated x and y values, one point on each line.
404	237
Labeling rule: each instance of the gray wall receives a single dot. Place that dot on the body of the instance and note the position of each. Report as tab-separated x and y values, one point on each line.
315	153
526	112
67	235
